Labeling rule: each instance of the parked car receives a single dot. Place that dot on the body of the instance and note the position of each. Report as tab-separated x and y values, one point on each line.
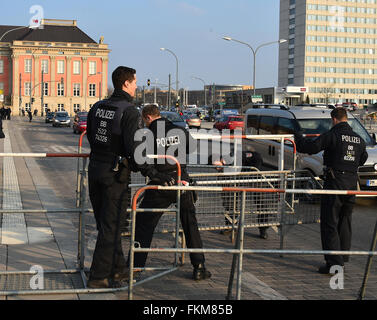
79	124
192	120
309	120
80	114
175	118
230	123
61	119
49	117
350	106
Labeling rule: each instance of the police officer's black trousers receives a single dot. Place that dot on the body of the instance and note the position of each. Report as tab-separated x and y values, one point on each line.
336	217
146	222
109	201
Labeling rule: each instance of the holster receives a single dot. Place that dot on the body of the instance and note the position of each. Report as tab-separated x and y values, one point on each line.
194	193
124	172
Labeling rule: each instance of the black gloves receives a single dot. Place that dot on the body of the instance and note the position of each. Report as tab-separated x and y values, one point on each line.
163	179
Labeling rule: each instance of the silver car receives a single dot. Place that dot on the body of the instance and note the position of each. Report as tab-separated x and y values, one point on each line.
283	120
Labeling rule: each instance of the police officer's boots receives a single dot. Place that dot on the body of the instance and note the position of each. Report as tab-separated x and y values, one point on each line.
201	273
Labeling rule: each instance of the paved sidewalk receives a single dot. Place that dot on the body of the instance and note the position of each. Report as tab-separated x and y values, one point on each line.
265	277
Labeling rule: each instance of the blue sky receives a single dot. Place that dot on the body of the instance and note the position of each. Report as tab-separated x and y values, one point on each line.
192	29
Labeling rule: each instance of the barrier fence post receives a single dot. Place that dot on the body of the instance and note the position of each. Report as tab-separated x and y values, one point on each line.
240	256
81	235
368	265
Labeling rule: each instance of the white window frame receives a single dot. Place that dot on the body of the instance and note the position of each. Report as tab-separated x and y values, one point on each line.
60	89
61	107
45	88
92	90
76	89
27	66
1	66
60	66
76	66
27	89
92	67
76	107
44	66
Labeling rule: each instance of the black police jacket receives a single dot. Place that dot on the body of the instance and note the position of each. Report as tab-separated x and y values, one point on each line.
344	150
169	139
111	127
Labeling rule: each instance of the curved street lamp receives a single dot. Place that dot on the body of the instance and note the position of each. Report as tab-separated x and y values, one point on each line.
18	28
176	76
254	53
204	84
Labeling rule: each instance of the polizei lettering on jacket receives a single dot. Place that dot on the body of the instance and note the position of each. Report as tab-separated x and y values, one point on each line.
351	139
105	114
168	141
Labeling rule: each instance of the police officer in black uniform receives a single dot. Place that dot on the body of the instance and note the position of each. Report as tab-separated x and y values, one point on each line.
166	135
111	127
344	152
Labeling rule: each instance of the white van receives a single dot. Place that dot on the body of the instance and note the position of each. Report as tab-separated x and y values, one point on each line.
311	120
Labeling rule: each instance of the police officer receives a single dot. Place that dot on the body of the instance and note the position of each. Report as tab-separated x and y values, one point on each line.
166	135
111	127
344	152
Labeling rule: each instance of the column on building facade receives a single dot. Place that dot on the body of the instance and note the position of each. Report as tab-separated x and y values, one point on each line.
53	83
10	75
36	84
103	90
69	85
16	82
85	81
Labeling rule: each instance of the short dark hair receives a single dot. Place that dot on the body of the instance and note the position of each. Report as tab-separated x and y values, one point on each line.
339	114
121	75
150	110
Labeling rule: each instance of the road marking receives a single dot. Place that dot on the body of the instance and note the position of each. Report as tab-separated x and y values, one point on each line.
260	288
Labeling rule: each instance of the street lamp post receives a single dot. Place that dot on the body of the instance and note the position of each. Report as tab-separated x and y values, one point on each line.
86	86
254	53
31	72
204	84
176	73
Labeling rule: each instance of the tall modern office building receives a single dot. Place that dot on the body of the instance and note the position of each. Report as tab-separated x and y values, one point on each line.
332	49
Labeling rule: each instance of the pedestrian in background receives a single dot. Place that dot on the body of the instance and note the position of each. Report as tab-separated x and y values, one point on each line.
344	151
111	127
30	115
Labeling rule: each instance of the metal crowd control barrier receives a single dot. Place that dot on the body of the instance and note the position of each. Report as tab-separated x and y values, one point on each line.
239	250
75	279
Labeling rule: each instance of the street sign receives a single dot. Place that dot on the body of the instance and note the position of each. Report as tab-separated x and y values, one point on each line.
256	97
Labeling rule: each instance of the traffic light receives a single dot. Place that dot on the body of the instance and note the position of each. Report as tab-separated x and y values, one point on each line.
32	100
62	80
149	82
177	104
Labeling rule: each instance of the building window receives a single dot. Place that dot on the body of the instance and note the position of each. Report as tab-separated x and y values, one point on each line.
44	66
60	89
76	67
27	106
1	66
27	65
92	90
76	90
45	88
61	107
45	107
27	90
76	107
60	66
92	67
